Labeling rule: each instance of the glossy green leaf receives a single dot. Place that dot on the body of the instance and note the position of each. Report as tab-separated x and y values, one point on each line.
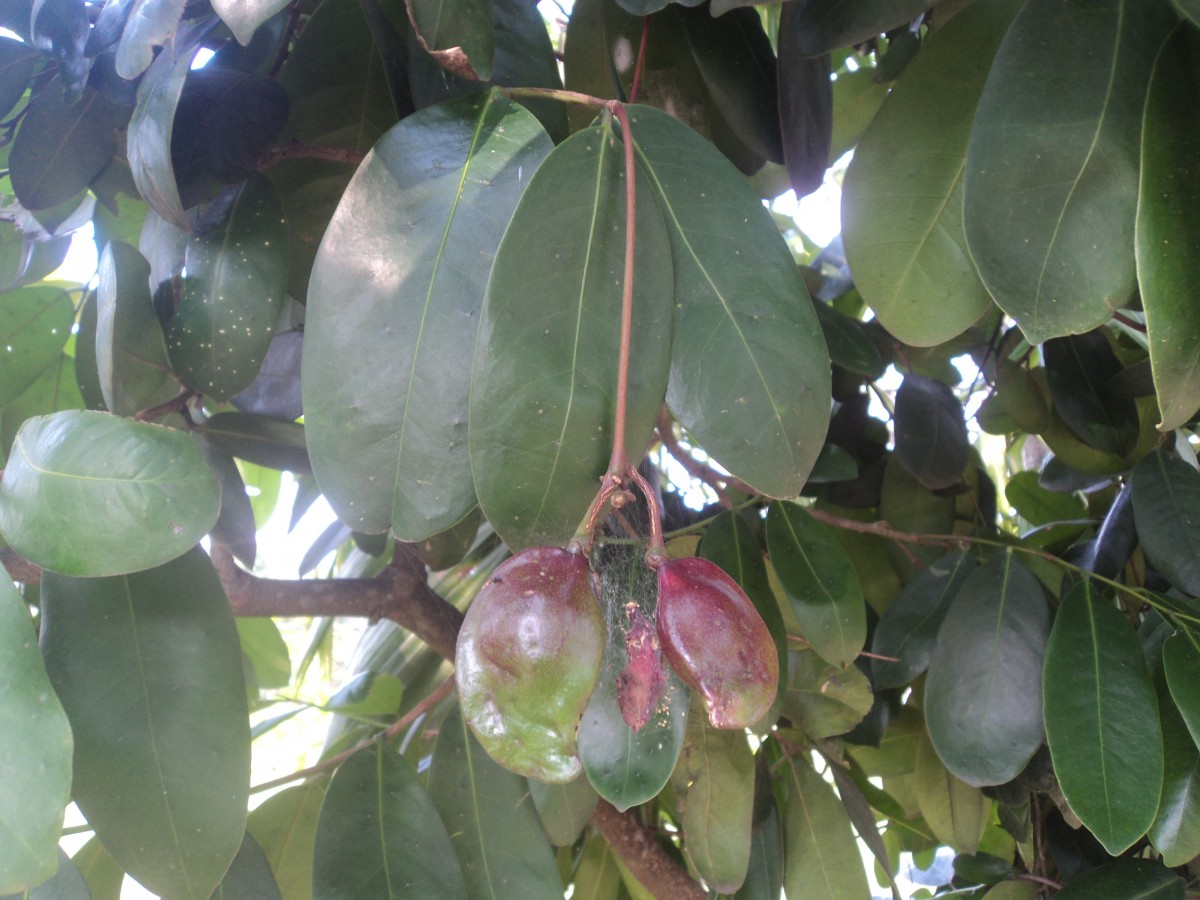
821	851
285	826
1143	879
456	33
714	790
249	876
761	406
983	691
244	16
150	673
956	812
131	357
149	141
1166	508
1051	180
824	700
35	323
1181	664
150	24
260	440
393	407
1176	829
564	809
35	744
69	471
232	292
59	148
493	826
1101	719
908	629
820	582
902	199
379	834
764	880
1168	205
1079	370
544	379
931	434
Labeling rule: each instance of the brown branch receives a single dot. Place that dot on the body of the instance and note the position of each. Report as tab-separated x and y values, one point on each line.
694	467
297	150
642	855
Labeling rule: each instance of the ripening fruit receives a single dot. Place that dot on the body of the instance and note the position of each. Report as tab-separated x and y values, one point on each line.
715	640
641	682
528	657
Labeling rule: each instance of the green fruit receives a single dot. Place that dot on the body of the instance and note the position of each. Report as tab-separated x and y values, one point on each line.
528	657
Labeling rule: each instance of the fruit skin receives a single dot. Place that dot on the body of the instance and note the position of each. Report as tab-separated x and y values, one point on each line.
641	682
715	640
527	659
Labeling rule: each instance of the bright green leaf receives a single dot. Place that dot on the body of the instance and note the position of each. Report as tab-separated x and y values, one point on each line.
823	700
956	812
823	862
35	323
285	826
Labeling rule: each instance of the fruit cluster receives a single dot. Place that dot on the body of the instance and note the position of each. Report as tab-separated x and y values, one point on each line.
530	651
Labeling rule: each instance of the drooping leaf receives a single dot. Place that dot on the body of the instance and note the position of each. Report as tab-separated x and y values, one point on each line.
764	880
457	34
908	629
983	691
715	795
823	700
35	323
806	117
149	671
849	344
72	470
1176	829
1166	508
902	200
1079	369
150	24
956	812
244	16
131	357
1051	180
249	876
762	407
35	744
1101	719
830	24
234	528
1181	665
54	390
820	582
395	403
564	809
285	826
598	875
261	440
264	647
544	380
931	435
1115	541
59	148
233	290
493	826
275	391
379	834
1167	207
1145	879
822	858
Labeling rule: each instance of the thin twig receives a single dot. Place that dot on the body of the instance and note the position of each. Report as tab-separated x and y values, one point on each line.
641	60
297	150
694	467
618	462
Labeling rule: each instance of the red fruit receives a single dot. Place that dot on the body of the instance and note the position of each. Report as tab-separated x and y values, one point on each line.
641	682
715	640
528	657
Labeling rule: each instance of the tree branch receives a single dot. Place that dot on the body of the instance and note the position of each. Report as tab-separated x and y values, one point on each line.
297	150
642	855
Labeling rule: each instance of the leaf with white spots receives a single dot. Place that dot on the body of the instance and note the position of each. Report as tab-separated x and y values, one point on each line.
233	289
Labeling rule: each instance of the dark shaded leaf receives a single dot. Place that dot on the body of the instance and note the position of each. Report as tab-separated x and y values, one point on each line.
805	105
334	535
1166	508
1176	829
826	25
249	876
849	346
17	63
1115	541
931	434
275	391
1181	664
764	880
458	34
1078	371
68	471
149	671
1144	879
234	528
59	28
983	690
259	439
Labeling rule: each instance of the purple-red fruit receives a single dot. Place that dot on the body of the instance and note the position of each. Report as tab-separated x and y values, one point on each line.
528	657
641	682
715	640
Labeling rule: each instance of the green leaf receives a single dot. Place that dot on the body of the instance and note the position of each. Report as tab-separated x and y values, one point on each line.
259	439
1181	664
59	148
150	24
493	826
1176	829
1079	370
35	323
564	809
54	390
244	16
983	691
907	505
956	812
234	528
829	24
17	64
543	385
66	884
103	876
824	700
395	406
1143	879
131	356
902	199
598	876
1168	206
806	116
379	834
1166	508
249	876
285	826
931	434
823	862
764	881
149	671
715	799
1051	180
264	646
820	582
908	629
149	141
35	744
1039	506
760	406
1101	720
233	290
457	33
71	471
